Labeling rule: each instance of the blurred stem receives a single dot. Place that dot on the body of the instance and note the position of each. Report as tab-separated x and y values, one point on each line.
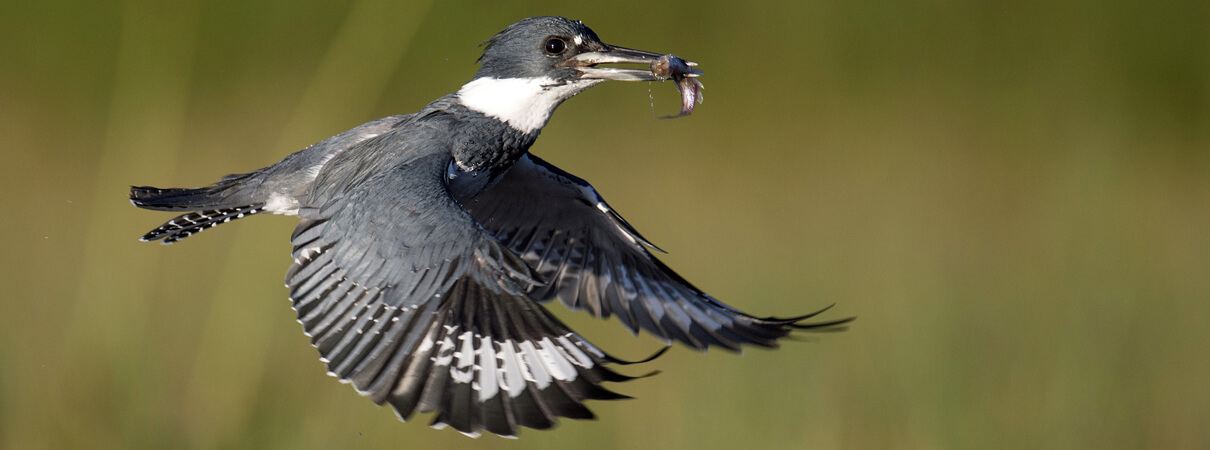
146	116
355	71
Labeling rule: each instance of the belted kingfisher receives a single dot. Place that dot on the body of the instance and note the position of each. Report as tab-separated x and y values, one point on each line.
427	242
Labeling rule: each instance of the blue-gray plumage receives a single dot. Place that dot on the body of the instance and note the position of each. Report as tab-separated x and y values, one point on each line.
426	241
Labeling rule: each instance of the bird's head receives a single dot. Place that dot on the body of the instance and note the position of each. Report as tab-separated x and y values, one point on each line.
535	64
562	50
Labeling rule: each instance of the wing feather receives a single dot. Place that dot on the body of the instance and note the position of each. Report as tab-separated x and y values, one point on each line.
411	301
594	260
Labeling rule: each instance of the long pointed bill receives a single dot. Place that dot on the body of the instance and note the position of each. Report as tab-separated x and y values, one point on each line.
586	63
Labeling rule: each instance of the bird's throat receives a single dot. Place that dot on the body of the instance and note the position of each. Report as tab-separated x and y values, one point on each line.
523	103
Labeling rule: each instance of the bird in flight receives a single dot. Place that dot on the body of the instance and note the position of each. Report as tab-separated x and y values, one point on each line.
428	242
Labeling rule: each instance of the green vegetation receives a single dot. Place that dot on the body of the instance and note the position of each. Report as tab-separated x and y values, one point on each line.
1013	198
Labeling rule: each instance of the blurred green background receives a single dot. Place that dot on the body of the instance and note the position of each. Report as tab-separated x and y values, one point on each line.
1012	196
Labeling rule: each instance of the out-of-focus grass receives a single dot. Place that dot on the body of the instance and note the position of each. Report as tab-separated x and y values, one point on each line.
1014	198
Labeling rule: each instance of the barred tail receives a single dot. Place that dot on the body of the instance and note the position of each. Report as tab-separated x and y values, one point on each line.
190	224
211	206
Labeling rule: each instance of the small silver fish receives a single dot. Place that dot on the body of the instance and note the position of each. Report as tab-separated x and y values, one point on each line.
685	74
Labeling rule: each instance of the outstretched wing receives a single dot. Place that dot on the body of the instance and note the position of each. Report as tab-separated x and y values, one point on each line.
594	260
409	300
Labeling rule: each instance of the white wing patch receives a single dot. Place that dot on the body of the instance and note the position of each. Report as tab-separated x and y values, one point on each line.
509	375
488	384
491	366
532	365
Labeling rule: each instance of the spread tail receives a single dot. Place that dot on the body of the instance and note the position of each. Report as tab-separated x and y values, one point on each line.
209	203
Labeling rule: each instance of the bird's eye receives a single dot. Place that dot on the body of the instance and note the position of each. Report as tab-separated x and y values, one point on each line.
555	46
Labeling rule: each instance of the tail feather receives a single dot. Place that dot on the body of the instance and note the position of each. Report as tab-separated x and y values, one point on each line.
190	224
210	206
178	199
